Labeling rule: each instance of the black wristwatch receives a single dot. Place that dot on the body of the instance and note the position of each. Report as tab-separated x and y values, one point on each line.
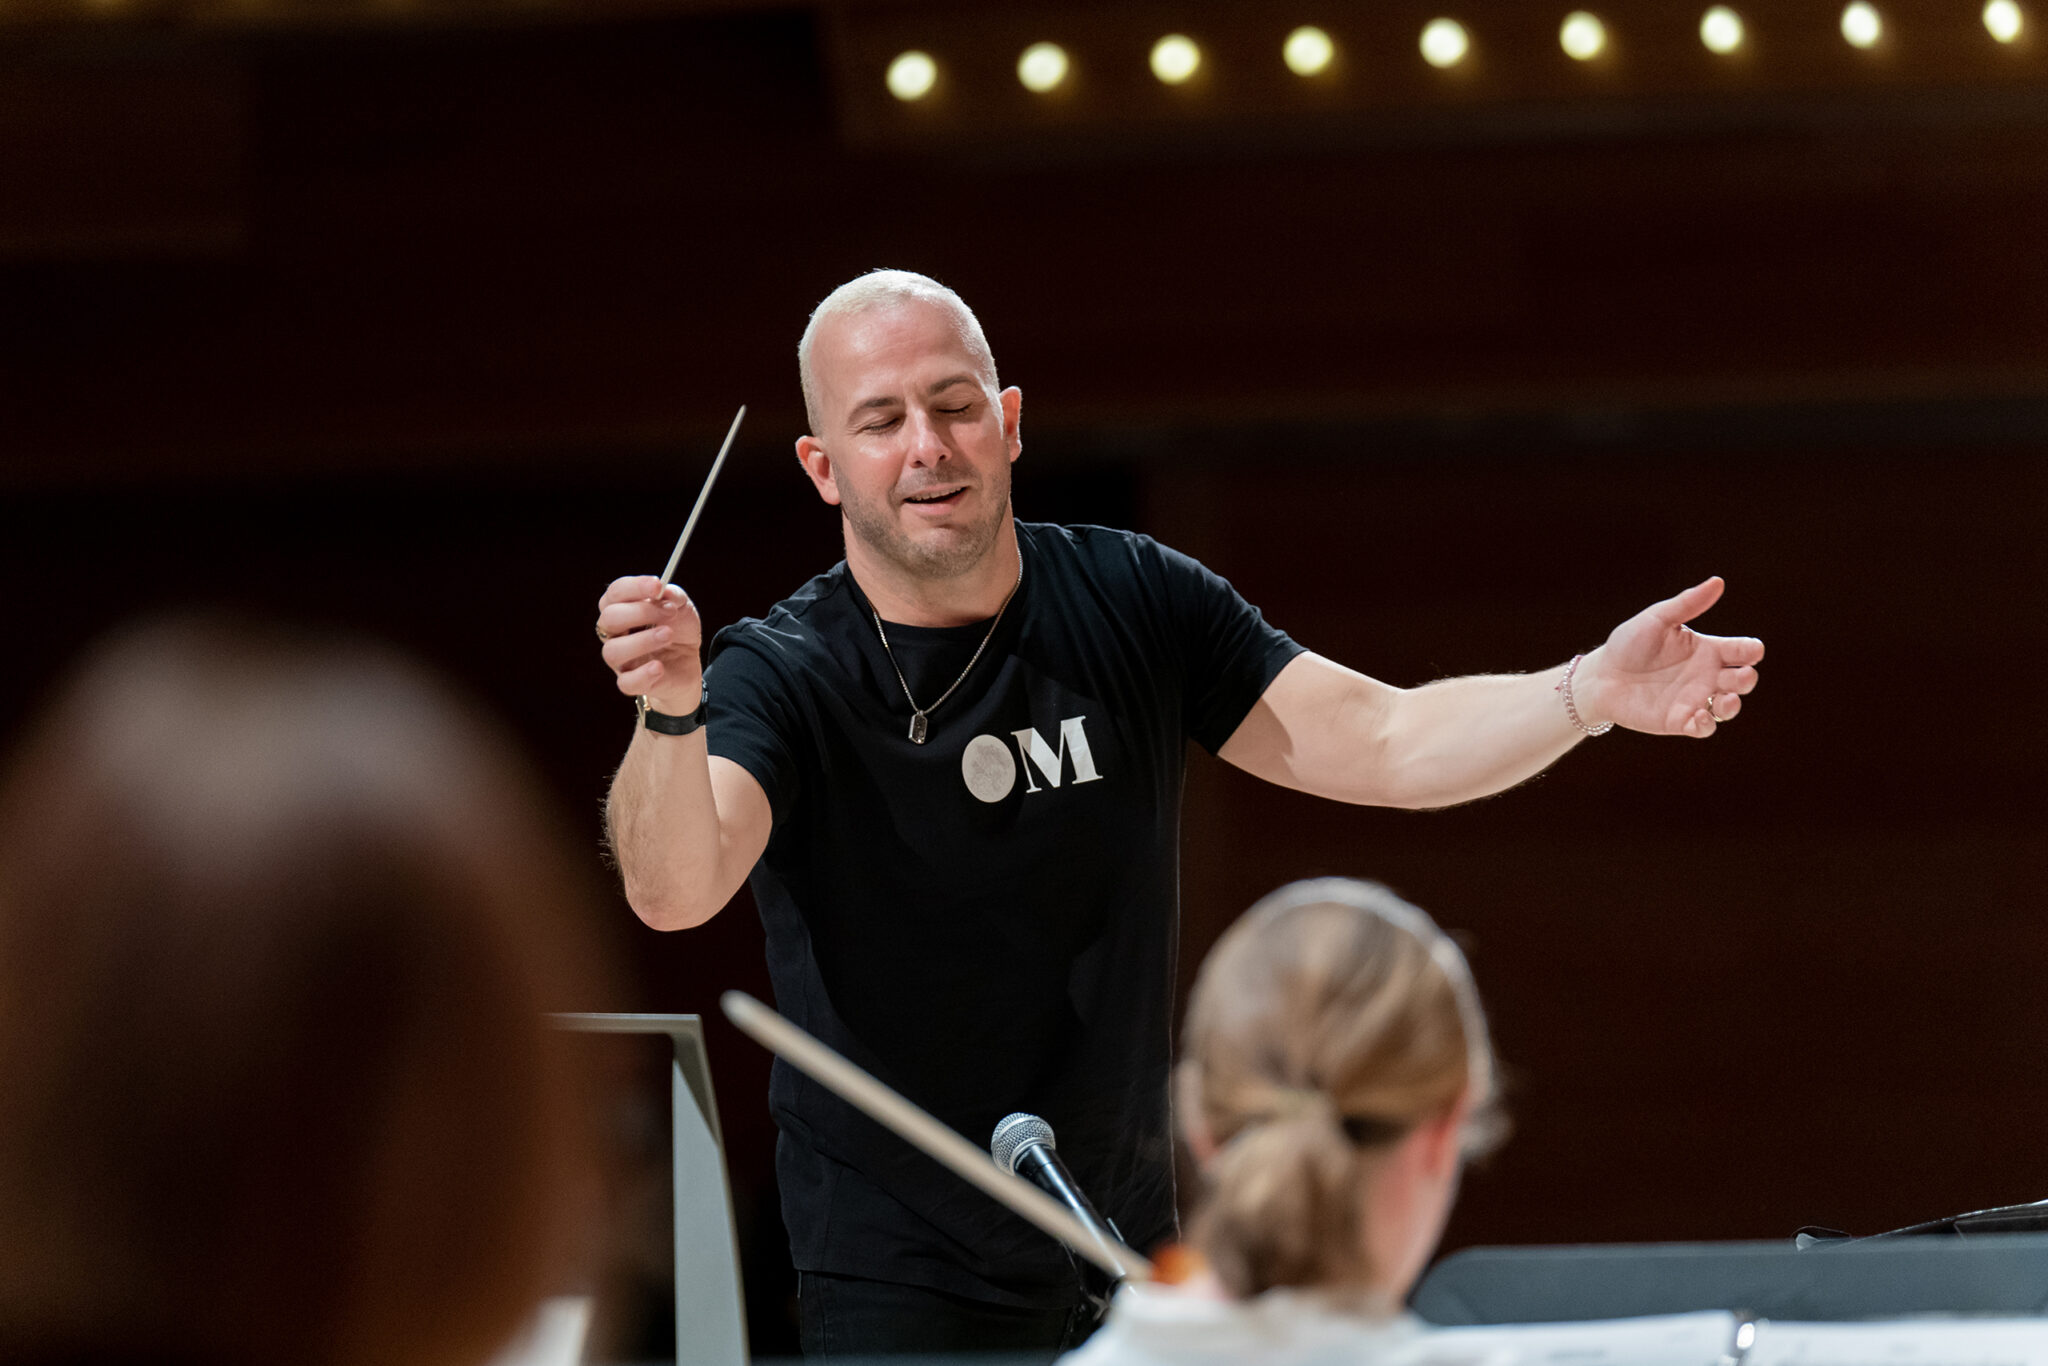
670	725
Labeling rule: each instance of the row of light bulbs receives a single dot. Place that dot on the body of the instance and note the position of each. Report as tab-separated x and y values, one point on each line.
1309	51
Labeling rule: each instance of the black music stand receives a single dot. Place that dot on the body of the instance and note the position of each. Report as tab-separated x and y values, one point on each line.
2005	1274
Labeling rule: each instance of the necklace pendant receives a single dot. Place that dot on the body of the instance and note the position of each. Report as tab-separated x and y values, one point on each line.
917	728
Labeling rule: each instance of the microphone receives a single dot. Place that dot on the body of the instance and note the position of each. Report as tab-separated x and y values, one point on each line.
1023	1145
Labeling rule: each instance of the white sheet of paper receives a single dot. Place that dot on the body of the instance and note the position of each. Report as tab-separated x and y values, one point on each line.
1903	1342
1702	1339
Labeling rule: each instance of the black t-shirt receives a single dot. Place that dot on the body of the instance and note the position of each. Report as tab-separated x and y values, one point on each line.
987	921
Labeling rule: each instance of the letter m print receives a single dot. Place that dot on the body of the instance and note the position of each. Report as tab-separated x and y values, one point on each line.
1050	762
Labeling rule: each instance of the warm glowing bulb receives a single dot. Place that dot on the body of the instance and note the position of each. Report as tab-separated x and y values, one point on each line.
1042	67
1721	29
912	75
1583	36
1861	26
1174	58
1445	43
1308	51
2005	20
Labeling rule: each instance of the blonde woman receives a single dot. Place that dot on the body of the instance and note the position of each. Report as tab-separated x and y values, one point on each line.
279	920
1336	1073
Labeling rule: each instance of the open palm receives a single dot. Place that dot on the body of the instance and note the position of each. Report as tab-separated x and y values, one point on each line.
1658	675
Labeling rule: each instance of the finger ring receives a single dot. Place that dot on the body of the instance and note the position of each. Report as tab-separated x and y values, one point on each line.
1718	718
603	634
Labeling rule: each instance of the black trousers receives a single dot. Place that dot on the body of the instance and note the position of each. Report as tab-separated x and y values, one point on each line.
847	1318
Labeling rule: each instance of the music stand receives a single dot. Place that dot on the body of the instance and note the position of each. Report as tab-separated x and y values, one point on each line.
711	1322
1999	1274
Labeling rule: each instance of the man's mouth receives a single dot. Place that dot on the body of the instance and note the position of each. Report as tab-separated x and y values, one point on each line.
943	495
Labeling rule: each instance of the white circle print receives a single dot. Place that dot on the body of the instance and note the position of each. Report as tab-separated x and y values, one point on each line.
988	768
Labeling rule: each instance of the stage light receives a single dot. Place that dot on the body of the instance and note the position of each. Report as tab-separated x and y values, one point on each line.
1175	58
1308	51
1583	36
912	75
1445	43
2005	20
1042	67
1721	30
1861	25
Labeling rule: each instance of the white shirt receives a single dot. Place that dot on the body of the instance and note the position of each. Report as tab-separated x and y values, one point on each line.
1149	1326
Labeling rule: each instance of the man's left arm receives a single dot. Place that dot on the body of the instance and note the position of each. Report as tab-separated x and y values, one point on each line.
1328	730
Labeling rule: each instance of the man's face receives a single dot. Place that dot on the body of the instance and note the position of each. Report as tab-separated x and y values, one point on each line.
915	448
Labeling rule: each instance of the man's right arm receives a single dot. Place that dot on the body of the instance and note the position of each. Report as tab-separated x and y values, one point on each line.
686	828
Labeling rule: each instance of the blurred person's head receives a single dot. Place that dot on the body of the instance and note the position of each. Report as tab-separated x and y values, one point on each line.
279	922
1336	1070
911	435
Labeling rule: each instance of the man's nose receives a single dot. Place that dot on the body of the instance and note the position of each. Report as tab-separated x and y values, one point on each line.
927	445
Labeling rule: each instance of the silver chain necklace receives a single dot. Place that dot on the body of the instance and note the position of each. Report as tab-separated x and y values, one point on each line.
917	713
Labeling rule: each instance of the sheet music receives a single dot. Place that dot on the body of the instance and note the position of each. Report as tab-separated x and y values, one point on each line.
1902	1342
1703	1339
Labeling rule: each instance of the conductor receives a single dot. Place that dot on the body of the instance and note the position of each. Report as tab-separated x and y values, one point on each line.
951	765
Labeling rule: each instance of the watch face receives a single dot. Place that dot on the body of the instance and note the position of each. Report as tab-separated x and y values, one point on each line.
640	704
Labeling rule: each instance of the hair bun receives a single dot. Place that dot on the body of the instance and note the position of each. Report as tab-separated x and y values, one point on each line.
1343	984
1288	1103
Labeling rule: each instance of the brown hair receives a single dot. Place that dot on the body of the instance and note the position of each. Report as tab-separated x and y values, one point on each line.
279	920
1329	1021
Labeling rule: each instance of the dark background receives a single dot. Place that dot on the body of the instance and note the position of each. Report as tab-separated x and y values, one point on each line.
426	320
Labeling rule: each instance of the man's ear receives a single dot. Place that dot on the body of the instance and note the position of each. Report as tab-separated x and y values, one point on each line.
810	453
1012	400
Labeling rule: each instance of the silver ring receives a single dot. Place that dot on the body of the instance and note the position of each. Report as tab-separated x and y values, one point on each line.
1719	719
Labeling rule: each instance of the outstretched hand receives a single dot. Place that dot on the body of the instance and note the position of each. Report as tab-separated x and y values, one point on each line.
1657	675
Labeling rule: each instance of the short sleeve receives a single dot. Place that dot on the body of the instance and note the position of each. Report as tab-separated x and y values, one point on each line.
752	714
1229	654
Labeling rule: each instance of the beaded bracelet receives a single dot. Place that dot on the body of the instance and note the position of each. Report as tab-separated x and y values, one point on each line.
1571	708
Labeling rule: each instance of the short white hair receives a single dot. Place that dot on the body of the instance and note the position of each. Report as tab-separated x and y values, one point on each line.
881	289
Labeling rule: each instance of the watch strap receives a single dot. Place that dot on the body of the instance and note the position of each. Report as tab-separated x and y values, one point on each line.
663	723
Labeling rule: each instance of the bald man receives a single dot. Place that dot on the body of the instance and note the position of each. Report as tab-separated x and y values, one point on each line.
951	765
